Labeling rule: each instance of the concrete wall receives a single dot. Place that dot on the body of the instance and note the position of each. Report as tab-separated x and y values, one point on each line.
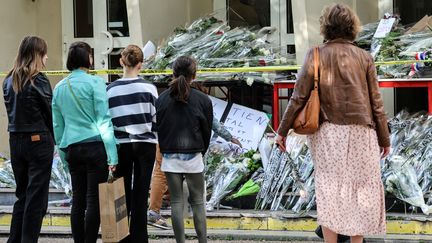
21	18
306	20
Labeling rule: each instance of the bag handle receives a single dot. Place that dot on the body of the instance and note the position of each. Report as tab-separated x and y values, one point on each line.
78	102
316	67
111	177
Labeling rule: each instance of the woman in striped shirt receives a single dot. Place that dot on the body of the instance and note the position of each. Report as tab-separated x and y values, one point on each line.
132	107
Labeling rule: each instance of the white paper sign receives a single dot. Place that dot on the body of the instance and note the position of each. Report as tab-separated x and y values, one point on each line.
219	107
247	125
384	27
149	50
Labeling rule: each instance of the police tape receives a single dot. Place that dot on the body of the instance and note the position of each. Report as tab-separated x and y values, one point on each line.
155	72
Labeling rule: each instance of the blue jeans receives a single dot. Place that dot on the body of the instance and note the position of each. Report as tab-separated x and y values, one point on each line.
31	164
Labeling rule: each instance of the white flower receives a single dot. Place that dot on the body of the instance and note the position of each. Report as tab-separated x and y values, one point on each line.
283	60
303	194
245	161
256	156
265	52
250	81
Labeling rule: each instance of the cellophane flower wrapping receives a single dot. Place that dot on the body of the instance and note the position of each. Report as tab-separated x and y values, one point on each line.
227	177
215	45
60	177
397	46
406	172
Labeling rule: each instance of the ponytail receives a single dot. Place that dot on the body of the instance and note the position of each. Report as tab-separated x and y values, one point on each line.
184	69
180	89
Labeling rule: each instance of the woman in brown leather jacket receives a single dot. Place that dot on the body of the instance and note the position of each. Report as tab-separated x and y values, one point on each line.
353	132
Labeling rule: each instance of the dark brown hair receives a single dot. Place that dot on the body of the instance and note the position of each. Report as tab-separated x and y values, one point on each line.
132	55
28	63
79	56
184	70
339	21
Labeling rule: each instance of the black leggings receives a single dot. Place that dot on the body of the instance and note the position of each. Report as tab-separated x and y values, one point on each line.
195	183
88	168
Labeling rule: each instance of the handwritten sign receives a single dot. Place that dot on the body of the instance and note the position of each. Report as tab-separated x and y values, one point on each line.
247	125
219	107
384	27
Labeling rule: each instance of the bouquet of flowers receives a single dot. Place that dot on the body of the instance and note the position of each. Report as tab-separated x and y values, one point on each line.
406	173
60	177
7	179
396	46
214	44
217	151
227	177
401	181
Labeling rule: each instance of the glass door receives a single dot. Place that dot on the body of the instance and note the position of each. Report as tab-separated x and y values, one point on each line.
261	13
103	24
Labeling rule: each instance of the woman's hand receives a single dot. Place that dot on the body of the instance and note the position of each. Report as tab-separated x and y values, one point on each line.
385	151
112	168
236	141
280	142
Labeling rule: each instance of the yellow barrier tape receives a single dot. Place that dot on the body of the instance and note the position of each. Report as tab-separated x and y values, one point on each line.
151	72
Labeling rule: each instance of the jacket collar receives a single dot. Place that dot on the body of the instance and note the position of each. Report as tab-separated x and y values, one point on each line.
78	71
339	40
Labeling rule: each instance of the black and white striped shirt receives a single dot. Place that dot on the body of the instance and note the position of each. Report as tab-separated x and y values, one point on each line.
132	108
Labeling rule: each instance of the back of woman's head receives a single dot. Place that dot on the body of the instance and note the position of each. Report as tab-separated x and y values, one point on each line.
28	62
184	71
339	21
132	55
79	56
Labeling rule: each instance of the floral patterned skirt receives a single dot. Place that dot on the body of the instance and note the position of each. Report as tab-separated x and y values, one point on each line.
348	186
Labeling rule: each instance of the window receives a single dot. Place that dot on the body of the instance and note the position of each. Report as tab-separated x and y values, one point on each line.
412	11
83	18
248	13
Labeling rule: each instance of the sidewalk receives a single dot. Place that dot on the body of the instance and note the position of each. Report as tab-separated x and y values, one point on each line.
252	225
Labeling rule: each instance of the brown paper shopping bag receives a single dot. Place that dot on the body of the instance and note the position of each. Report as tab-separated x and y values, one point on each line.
113	212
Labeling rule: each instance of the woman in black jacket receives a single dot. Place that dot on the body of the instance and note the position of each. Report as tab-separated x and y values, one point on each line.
27	94
184	120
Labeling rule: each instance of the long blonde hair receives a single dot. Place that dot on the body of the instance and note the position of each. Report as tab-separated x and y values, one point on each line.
28	62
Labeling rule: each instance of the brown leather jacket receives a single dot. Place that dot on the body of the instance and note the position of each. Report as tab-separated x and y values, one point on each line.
348	89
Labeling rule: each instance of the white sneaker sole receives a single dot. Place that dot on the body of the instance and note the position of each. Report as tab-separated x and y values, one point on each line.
159	226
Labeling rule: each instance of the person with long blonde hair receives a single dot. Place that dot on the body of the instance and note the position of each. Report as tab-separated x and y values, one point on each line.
27	94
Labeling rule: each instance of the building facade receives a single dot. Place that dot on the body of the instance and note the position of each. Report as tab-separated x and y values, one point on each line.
110	25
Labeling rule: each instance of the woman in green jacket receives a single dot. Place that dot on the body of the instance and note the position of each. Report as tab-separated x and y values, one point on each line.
85	137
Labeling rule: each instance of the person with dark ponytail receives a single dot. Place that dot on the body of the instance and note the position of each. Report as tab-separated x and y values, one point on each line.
132	106
27	94
184	120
